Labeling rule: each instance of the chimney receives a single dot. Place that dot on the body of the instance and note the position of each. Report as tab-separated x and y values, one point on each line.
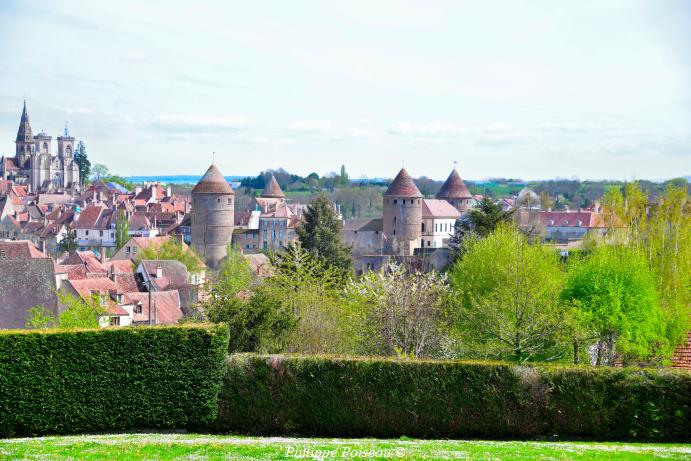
159	272
138	190
102	255
112	272
169	191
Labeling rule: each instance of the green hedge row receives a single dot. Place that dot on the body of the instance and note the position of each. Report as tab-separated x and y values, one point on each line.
110	379
388	398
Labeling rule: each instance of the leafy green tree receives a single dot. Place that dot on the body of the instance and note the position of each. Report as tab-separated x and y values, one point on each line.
173	249
486	217
505	291
39	317
83	163
75	313
320	235
400	313
307	296
99	171
614	291
122	229
344	179
68	242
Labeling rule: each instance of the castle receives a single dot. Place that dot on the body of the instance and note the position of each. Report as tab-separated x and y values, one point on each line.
35	166
410	226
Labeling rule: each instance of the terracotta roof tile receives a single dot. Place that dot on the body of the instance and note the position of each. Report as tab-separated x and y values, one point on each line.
212	182
403	186
454	188
433	208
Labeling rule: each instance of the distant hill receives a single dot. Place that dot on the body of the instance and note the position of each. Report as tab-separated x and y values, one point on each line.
176	179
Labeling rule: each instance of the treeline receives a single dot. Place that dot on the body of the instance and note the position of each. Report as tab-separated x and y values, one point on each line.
625	299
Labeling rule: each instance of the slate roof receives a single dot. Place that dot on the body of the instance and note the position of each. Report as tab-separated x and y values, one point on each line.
272	189
363	225
454	188
403	186
212	182
174	273
25	283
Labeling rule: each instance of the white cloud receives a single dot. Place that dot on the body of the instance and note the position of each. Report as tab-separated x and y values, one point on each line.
170	122
135	56
428	128
310	126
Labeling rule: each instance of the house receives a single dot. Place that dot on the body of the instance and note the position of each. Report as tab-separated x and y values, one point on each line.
94	227
118	311
135	245
438	223
165	307
163	275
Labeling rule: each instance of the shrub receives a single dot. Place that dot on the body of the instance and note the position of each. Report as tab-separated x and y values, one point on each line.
356	397
110	379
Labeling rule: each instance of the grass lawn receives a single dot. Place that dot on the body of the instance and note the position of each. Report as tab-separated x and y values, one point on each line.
209	447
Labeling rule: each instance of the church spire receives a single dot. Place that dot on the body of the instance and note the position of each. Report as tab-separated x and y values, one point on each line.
24	133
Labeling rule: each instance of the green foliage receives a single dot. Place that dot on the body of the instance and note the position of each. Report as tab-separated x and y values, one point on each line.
111	379
39	317
614	290
173	249
320	235
485	217
306	298
99	171
68	242
119	180
506	293
122	229
351	397
399	313
83	163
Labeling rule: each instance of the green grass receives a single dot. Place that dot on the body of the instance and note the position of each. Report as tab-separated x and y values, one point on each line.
209	447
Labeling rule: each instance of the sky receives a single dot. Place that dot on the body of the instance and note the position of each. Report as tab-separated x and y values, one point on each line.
530	89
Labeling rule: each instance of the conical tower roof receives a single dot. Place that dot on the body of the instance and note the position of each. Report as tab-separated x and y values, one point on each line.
403	186
454	188
24	133
272	189
212	182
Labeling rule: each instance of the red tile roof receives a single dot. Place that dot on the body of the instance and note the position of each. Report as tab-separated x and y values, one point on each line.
165	304
454	188
19	249
568	219
212	182
682	354
403	186
272	189
433	208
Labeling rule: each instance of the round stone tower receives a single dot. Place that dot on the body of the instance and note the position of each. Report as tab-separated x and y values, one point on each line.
402	216
456	192
213	216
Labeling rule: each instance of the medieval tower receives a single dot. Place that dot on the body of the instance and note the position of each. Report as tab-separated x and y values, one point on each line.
213	216
455	192
402	216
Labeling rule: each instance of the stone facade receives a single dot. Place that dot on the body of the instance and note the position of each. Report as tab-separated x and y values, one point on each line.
402	216
36	166
213	216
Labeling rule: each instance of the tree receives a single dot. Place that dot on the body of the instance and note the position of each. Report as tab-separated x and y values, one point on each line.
487	216
99	171
68	242
505	291
82	162
343	177
400	313
614	292
320	235
173	249
122	230
76	313
228	302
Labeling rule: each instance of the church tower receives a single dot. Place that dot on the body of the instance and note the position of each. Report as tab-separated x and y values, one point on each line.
24	143
213	216
402	216
70	171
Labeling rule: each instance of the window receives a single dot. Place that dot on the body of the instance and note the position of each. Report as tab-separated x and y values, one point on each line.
86	232
100	233
134	250
423	227
114	321
68	150
3	254
395	201
138	308
127	249
219	200
230	201
429	243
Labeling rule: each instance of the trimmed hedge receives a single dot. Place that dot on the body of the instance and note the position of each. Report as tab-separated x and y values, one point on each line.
110	379
362	397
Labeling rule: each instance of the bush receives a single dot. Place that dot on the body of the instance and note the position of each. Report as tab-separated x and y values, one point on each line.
367	397
110	379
